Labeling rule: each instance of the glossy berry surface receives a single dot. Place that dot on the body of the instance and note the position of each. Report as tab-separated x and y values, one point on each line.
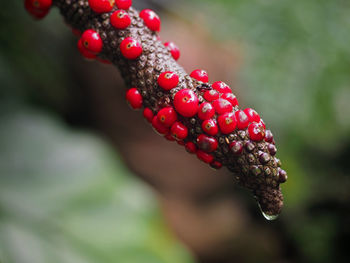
256	131
207	143
210	127
200	75
101	6
211	95
242	119
168	80
84	52
134	98
252	115
120	19
179	131
191	147
167	116
148	114
92	41
231	98
174	50
227	122
159	127
205	157
123	4
221	87
222	106
131	48
206	111
40	4
151	19
34	11
186	102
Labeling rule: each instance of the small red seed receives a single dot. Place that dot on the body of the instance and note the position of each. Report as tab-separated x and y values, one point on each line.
210	127
120	19
84	52
221	87
92	41
151	19
191	147
131	48
186	102
236	147
174	50
206	143
167	116
200	75
168	80
148	114
256	131
205	157
179	131
211	95
231	98
227	122
206	111
242	119
159	127
252	115
216	165
101	6
134	98
221	106
123	4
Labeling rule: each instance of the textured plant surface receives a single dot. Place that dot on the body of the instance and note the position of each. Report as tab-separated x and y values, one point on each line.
204	118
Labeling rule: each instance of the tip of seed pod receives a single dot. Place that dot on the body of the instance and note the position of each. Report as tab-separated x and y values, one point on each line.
270	201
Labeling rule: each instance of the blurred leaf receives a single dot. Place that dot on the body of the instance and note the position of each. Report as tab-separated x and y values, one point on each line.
65	197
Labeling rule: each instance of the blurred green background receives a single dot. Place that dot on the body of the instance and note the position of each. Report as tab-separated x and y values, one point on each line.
66	194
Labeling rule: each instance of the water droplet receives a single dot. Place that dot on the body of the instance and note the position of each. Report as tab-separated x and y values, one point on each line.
268	217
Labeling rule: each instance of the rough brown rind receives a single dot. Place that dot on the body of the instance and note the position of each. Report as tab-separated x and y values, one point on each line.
256	168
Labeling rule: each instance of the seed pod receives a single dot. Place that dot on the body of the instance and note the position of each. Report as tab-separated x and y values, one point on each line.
223	136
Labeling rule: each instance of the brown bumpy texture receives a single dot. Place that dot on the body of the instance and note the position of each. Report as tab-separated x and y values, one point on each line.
256	168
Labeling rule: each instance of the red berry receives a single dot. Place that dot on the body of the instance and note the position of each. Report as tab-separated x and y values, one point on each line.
231	98
123	4
148	114
84	52
206	111
211	95
205	157
236	147
221	87
92	41
191	147
186	102
252	115
221	106
256	131
179	131
151	19
200	75
227	122
210	127
159	127
242	119
32	8
216	165
134	98
169	137
120	19
167	116
40	4
262	123
206	143
174	50
101	6
130	48
168	80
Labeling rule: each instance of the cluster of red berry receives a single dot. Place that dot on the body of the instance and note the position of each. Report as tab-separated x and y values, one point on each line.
203	118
